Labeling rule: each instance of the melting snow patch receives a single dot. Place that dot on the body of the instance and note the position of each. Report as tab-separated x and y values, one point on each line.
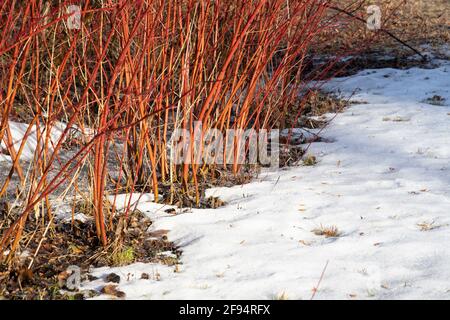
384	184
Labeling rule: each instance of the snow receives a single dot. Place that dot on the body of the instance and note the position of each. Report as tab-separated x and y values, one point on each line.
383	181
18	132
122	201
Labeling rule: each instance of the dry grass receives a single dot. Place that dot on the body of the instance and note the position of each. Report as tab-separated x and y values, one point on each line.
281	296
416	22
428	225
327	232
423	21
309	160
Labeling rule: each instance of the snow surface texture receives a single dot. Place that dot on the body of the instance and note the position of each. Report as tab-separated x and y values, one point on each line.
18	132
384	182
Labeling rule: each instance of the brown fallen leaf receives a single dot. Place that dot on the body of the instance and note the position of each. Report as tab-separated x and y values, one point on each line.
62	278
158	233
25	275
111	289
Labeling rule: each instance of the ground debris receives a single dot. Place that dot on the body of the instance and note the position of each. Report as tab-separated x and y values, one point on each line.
76	245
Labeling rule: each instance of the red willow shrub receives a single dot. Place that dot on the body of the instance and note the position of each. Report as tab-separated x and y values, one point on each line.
131	74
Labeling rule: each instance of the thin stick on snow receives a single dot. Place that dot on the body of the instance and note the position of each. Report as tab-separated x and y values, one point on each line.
320	280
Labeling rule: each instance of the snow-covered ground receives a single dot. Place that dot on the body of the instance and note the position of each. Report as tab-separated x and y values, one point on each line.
19	133
384	183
